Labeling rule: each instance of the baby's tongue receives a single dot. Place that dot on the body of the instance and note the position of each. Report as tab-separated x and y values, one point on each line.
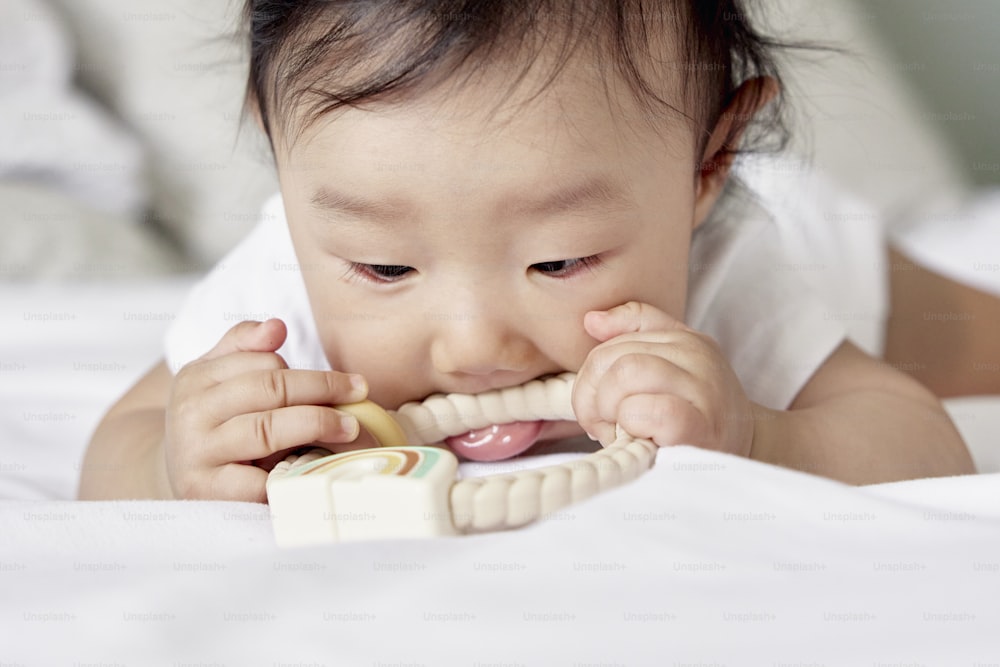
493	443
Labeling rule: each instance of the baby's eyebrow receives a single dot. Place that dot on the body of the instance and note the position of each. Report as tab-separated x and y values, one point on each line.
353	205
595	192
598	192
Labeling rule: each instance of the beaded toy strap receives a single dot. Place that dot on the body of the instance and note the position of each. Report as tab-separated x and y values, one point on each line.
407	489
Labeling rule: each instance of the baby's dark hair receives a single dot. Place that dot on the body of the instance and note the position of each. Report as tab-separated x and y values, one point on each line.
328	54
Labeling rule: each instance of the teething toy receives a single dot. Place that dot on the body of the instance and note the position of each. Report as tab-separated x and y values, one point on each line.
411	491
376	421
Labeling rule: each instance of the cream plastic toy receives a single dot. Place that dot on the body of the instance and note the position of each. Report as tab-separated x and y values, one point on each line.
406	489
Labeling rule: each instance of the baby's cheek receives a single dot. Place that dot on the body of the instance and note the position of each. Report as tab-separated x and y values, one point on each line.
569	345
389	354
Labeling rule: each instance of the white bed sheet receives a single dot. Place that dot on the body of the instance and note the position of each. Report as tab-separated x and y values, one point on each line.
706	560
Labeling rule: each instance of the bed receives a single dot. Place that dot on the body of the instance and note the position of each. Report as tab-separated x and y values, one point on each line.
707	559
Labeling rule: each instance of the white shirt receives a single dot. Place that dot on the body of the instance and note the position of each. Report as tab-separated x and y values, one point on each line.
780	274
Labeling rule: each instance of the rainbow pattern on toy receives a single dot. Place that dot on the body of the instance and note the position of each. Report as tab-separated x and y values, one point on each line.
407	489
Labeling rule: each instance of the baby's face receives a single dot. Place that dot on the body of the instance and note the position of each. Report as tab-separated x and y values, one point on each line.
447	251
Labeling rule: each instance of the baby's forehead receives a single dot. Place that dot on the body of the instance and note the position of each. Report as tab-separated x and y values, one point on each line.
576	110
318	76
566	128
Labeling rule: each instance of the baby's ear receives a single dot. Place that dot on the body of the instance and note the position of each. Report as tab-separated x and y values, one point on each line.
749	98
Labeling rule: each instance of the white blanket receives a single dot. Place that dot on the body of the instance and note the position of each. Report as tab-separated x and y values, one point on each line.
706	560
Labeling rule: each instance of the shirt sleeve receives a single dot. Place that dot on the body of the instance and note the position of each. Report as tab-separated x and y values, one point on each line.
760	291
257	280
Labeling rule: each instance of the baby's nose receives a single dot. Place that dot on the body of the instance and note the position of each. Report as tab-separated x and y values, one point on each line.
474	344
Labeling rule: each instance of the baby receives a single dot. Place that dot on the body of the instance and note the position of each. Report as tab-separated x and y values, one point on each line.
474	198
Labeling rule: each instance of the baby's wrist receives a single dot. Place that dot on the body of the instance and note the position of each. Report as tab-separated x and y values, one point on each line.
159	478
765	423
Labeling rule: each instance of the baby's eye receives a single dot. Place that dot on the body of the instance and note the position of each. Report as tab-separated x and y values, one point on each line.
380	273
566	267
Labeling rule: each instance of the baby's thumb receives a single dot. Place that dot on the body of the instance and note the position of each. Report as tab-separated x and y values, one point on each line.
631	317
250	336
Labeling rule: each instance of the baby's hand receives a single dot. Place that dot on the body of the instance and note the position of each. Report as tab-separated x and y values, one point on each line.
661	380
239	403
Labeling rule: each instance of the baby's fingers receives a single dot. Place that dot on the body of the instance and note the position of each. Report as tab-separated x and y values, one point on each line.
616	372
235	481
250	336
632	374
257	435
631	317
663	418
231	481
262	390
246	346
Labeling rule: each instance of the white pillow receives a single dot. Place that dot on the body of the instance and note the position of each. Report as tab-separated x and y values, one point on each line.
50	132
49	234
169	71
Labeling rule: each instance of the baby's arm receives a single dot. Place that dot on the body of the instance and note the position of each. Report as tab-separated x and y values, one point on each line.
125	456
861	421
198	434
942	332
856	420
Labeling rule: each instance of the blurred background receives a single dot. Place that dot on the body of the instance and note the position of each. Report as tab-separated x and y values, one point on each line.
122	151
950	57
